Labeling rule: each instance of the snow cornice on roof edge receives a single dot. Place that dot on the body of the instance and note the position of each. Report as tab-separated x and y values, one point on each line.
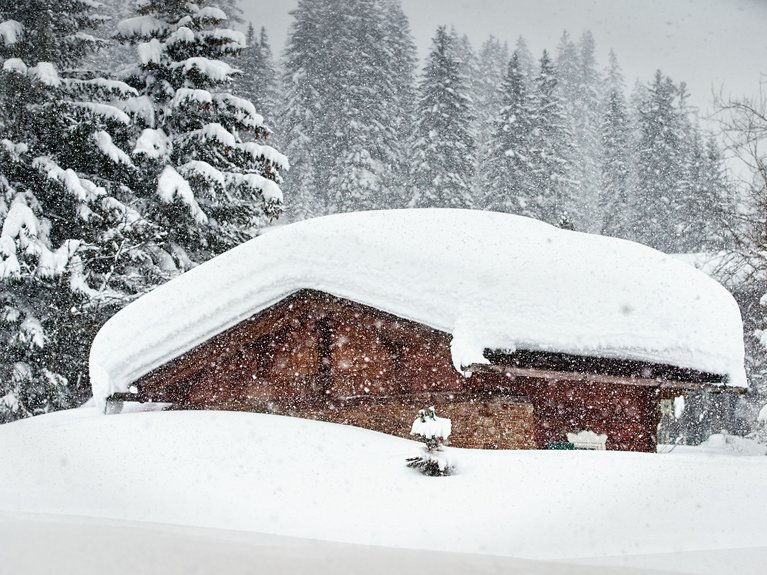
491	280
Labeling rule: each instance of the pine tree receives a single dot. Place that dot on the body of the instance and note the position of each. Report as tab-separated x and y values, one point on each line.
112	57
258	79
205	177
444	151
509	169
358	125
488	100
526	62
345	68
301	115
586	132
551	150
402	64
568	69
68	234
617	210
658	166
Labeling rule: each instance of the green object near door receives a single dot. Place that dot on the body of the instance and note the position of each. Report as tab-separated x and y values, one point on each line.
560	445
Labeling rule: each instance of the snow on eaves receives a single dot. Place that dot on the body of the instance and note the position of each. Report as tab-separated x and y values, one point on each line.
491	280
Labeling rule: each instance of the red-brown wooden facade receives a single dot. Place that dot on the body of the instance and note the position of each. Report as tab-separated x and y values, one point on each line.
318	356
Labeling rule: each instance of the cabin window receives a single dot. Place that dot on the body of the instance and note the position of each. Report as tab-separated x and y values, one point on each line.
588	440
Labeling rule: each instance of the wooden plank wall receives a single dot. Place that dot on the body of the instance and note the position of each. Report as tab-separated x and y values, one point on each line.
322	357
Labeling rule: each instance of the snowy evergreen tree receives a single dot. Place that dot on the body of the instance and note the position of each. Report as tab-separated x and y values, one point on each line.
444	150
526	61
508	181
301	114
586	132
113	56
615	204
401	67
551	150
488	100
659	164
68	233
568	69
258	79
205	177
579	88
345	65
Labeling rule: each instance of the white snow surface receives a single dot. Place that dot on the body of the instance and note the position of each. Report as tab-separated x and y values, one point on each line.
432	427
153	144
215	70
11	31
106	145
172	185
46	73
142	27
246	475
493	281
15	65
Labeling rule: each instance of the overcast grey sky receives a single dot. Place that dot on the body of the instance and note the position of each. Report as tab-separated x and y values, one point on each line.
707	43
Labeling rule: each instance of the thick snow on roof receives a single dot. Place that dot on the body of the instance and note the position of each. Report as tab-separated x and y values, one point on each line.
491	280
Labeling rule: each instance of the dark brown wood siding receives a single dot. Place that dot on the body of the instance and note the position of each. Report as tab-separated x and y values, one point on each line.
318	356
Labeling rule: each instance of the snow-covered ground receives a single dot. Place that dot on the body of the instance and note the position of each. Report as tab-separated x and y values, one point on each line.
195	490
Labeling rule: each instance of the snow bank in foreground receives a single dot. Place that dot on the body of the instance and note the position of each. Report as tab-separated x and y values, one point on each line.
84	546
300	478
491	280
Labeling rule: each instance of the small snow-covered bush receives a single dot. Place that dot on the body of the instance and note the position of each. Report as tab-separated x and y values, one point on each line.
433	431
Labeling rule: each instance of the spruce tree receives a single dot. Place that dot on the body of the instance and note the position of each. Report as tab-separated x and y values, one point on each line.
488	100
509	182
526	61
257	80
659	165
586	132
70	239
618	217
551	150
301	114
206	177
347	68
401	68
444	150
568	68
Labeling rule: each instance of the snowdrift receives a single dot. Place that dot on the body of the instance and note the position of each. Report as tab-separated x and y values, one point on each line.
298	478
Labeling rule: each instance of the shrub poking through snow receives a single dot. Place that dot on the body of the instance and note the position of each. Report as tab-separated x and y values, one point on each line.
432	431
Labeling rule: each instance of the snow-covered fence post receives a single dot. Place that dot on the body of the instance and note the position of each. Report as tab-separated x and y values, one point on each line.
432	431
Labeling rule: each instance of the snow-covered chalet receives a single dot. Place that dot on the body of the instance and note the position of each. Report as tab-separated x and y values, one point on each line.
520	332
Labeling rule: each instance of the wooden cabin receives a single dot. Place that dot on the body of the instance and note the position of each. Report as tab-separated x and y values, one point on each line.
321	356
